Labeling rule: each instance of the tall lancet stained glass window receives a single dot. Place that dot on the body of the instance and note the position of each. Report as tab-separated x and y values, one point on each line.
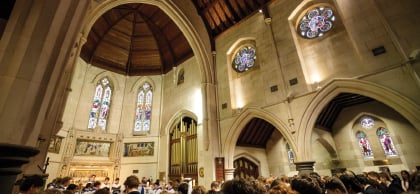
290	154
364	144
316	22
100	105
386	142
244	59
143	108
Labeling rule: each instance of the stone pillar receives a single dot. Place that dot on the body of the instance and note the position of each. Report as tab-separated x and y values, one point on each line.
229	173
12	157
305	167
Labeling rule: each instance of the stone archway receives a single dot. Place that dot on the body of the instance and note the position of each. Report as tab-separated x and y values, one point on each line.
232	135
403	105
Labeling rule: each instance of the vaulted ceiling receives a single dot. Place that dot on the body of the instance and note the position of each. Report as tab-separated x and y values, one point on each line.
140	39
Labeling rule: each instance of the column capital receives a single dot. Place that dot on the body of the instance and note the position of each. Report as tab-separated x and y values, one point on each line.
12	157
305	167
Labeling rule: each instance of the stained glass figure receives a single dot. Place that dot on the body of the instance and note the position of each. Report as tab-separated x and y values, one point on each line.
364	144
367	122
316	22
100	105
244	59
290	154
386	142
144	108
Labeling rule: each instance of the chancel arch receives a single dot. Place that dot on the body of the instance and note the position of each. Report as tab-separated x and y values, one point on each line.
233	136
404	106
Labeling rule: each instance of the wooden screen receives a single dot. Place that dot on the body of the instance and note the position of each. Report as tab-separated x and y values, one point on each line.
183	150
245	168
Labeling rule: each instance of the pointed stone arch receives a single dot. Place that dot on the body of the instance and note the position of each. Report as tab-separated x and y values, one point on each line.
237	126
174	120
401	104
139	83
113	81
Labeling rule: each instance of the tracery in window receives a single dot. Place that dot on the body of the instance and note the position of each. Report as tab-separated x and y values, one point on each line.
316	22
100	105
364	144
386	142
244	59
143	108
367	122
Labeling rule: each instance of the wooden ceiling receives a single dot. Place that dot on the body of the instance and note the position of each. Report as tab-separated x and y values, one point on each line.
220	15
136	39
256	133
140	39
329	114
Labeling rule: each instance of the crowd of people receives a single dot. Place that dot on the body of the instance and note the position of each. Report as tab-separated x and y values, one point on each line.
348	182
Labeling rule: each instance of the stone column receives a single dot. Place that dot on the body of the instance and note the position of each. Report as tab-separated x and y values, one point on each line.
229	173
12	157
305	167
34	52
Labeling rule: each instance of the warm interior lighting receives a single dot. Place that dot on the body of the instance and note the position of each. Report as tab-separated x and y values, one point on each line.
198	105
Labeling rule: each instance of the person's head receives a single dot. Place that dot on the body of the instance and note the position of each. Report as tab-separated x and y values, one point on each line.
102	191
66	181
405	175
305	184
72	187
372	175
335	186
117	180
240	186
52	191
31	184
281	188
92	177
383	177
88	185
199	190
351	183
106	180
97	184
215	186
183	188
132	182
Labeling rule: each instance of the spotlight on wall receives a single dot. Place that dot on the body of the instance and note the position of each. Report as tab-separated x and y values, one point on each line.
316	85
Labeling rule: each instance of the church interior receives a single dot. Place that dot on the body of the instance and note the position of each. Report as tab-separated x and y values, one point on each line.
207	89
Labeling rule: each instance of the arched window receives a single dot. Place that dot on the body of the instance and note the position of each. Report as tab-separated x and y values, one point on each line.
143	109
364	145
290	154
386	142
100	105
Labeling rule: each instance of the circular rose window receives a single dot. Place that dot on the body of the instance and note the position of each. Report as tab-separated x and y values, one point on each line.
316	22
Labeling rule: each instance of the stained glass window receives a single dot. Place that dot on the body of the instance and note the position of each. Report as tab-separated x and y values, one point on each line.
290	154
244	59
367	122
144	108
386	142
364	145
100	105
316	22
